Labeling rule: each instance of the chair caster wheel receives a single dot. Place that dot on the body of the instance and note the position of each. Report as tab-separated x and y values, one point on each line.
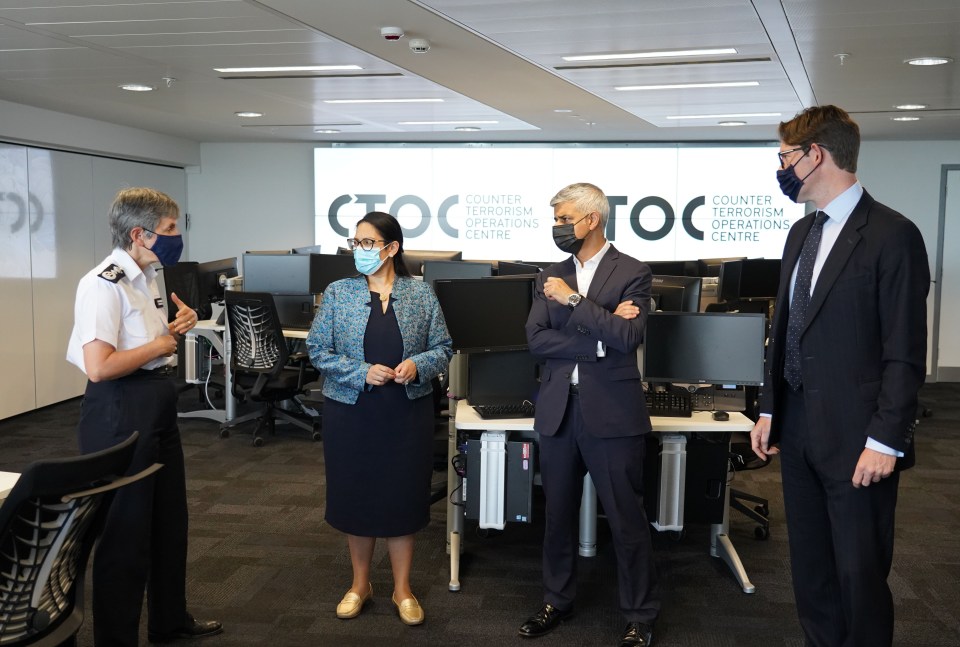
762	509
762	533
224	433
317	436
258	441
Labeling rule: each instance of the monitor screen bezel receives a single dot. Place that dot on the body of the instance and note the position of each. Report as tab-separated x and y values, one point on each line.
460	287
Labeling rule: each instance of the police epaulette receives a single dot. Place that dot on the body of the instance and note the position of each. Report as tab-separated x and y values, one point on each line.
113	273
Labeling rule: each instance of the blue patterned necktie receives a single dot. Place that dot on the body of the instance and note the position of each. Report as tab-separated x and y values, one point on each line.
797	316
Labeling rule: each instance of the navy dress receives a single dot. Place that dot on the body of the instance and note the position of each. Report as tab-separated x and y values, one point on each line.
378	452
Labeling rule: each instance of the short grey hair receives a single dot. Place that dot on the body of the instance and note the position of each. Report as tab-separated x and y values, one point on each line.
586	198
138	207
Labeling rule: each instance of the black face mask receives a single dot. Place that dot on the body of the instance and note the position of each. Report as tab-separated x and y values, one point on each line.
565	238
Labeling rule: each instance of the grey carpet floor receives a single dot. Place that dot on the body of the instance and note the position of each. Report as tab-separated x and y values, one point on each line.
263	561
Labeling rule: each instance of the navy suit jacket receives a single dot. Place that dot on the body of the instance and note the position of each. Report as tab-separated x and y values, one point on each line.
611	395
864	346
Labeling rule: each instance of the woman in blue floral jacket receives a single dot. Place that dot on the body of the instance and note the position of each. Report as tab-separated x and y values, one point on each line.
379	339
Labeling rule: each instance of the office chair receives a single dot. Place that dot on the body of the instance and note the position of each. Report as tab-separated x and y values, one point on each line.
48	525
742	458
260	364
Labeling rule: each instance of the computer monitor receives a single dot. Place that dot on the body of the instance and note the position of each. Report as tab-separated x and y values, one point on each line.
327	268
184	280
748	279
414	258
276	273
212	278
433	270
308	249
674	268
502	378
711	266
510	268
704	348
485	315
675	293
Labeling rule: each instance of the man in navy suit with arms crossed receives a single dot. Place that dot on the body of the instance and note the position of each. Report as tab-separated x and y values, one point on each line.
585	325
845	361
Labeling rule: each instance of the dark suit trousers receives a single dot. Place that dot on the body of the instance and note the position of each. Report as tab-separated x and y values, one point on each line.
616	466
841	543
145	535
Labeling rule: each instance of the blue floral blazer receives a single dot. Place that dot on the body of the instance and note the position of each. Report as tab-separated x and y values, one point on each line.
335	341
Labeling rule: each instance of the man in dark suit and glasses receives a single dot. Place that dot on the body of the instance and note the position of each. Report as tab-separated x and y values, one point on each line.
585	325
846	359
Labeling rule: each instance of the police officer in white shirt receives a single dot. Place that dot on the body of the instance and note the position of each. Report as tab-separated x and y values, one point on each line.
121	340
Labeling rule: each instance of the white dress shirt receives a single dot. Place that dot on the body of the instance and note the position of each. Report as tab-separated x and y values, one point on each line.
585	272
122	308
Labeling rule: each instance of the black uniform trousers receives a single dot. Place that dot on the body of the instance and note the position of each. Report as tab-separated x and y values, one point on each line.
144	540
616	467
841	543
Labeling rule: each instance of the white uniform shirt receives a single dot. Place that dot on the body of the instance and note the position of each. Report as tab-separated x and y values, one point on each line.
120	304
585	272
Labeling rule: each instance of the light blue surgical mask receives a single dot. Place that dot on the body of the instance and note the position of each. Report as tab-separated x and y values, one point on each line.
368	261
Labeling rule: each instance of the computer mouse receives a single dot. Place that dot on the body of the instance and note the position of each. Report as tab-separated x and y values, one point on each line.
720	416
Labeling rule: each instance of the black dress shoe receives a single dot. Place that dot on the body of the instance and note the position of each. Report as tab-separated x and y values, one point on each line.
543	621
193	629
637	634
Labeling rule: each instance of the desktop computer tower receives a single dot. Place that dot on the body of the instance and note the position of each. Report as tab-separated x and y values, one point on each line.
707	465
514	471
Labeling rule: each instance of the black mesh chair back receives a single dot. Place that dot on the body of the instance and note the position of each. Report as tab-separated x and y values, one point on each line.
260	363
48	525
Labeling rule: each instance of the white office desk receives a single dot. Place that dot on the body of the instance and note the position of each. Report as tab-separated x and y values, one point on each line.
7	481
467	419
216	334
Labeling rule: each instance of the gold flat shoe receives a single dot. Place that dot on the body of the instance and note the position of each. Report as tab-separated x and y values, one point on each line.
352	604
411	613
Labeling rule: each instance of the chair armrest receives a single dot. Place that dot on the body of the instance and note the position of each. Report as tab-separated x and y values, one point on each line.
113	485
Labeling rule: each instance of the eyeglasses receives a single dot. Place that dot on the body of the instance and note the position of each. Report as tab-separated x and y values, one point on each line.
366	244
781	154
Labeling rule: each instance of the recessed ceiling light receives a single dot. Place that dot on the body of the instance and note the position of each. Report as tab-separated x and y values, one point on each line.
562	110
635	55
929	60
724	117
732	123
467	129
325	131
288	68
249	114
445	123
905	118
383	101
681	86
137	87
910	106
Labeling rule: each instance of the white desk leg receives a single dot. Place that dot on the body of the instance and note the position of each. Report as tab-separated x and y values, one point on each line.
230	402
588	519
722	547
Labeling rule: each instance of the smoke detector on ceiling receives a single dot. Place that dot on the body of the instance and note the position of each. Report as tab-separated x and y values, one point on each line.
391	33
419	45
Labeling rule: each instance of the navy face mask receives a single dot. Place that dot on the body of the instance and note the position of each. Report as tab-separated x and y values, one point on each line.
790	182
167	248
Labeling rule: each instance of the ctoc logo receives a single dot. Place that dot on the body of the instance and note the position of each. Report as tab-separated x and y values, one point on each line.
371	202
24	212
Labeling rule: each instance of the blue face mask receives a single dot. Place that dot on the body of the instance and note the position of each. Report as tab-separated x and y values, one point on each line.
368	262
167	248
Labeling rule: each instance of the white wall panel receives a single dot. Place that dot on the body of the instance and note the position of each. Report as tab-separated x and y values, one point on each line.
61	252
17	377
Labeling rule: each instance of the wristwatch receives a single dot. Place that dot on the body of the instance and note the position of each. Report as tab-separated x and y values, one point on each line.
574	300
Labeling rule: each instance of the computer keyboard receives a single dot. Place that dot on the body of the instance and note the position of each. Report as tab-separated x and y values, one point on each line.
492	411
672	404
